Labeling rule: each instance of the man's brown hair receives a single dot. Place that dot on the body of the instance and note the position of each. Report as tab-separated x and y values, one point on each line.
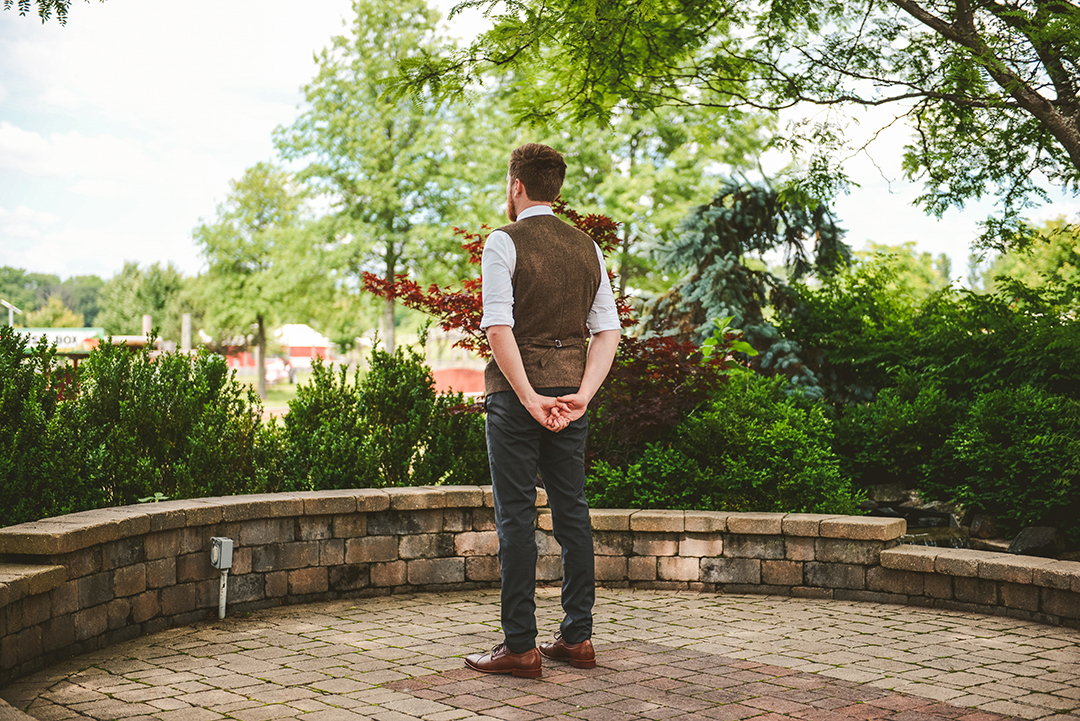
540	169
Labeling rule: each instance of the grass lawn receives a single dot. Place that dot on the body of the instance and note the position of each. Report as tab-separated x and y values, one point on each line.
278	395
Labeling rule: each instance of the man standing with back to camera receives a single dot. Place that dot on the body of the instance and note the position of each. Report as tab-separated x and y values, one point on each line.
545	292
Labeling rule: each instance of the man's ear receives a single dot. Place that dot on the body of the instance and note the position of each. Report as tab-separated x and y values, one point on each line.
517	187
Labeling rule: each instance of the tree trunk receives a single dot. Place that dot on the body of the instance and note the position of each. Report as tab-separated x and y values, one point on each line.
260	357
388	325
388	306
624	257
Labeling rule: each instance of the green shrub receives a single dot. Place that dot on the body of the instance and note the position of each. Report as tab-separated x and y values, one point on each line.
386	428
751	448
860	335
325	432
174	424
662	478
38	468
894	438
1016	336
1016	457
127	426
854	329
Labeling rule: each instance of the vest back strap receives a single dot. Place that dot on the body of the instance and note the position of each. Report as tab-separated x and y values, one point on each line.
552	345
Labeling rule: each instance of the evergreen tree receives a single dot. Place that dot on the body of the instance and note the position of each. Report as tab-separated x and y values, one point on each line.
712	247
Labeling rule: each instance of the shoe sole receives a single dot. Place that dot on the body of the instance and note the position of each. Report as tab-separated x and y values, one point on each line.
519	672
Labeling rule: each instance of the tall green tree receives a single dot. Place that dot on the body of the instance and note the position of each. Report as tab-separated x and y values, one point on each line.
26	291
396	172
160	291
31	291
913	273
647	169
54	314
82	293
991	89
264	263
1053	258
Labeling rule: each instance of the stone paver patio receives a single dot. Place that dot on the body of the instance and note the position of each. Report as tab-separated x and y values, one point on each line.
662	655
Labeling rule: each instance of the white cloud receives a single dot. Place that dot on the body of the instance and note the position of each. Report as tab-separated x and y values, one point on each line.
172	100
1068	208
71	154
99	251
60	97
101	188
201	70
23	222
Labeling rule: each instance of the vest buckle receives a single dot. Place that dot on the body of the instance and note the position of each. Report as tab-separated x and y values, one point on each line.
558	344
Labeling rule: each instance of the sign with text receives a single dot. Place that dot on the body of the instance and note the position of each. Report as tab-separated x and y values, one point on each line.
68	340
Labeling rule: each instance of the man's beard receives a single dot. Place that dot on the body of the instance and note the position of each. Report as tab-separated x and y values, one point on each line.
511	212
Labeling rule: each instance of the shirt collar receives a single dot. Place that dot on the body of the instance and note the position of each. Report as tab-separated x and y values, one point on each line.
535	210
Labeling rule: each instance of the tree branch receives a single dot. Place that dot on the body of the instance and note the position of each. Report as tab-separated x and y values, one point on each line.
1064	83
1065	130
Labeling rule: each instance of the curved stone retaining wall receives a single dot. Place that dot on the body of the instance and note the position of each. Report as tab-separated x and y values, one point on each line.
76	583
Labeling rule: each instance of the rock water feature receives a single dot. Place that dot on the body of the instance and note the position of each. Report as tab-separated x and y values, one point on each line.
926	527
929	526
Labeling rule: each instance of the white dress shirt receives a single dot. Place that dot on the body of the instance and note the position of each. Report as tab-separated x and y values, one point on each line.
498	265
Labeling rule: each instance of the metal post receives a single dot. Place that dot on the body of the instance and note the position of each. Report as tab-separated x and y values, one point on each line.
12	310
222	590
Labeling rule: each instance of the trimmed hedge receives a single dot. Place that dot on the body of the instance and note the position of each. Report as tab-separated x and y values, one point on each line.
132	425
750	447
387	427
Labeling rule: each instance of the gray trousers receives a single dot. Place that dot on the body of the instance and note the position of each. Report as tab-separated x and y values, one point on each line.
518	447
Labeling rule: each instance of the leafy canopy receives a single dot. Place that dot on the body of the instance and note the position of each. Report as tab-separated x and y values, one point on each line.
264	265
31	291
391	170
54	314
991	89
46	9
1054	258
647	169
158	290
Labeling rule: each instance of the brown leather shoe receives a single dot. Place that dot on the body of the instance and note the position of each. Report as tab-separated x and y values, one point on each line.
500	660
580	655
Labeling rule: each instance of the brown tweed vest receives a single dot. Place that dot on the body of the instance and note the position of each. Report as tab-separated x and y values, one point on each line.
555	282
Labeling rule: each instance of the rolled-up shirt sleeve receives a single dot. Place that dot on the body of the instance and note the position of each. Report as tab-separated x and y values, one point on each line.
603	315
497	266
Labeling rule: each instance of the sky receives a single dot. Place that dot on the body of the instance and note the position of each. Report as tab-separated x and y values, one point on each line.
121	131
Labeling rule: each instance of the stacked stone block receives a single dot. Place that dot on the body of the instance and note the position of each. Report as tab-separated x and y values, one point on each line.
79	582
1040	589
